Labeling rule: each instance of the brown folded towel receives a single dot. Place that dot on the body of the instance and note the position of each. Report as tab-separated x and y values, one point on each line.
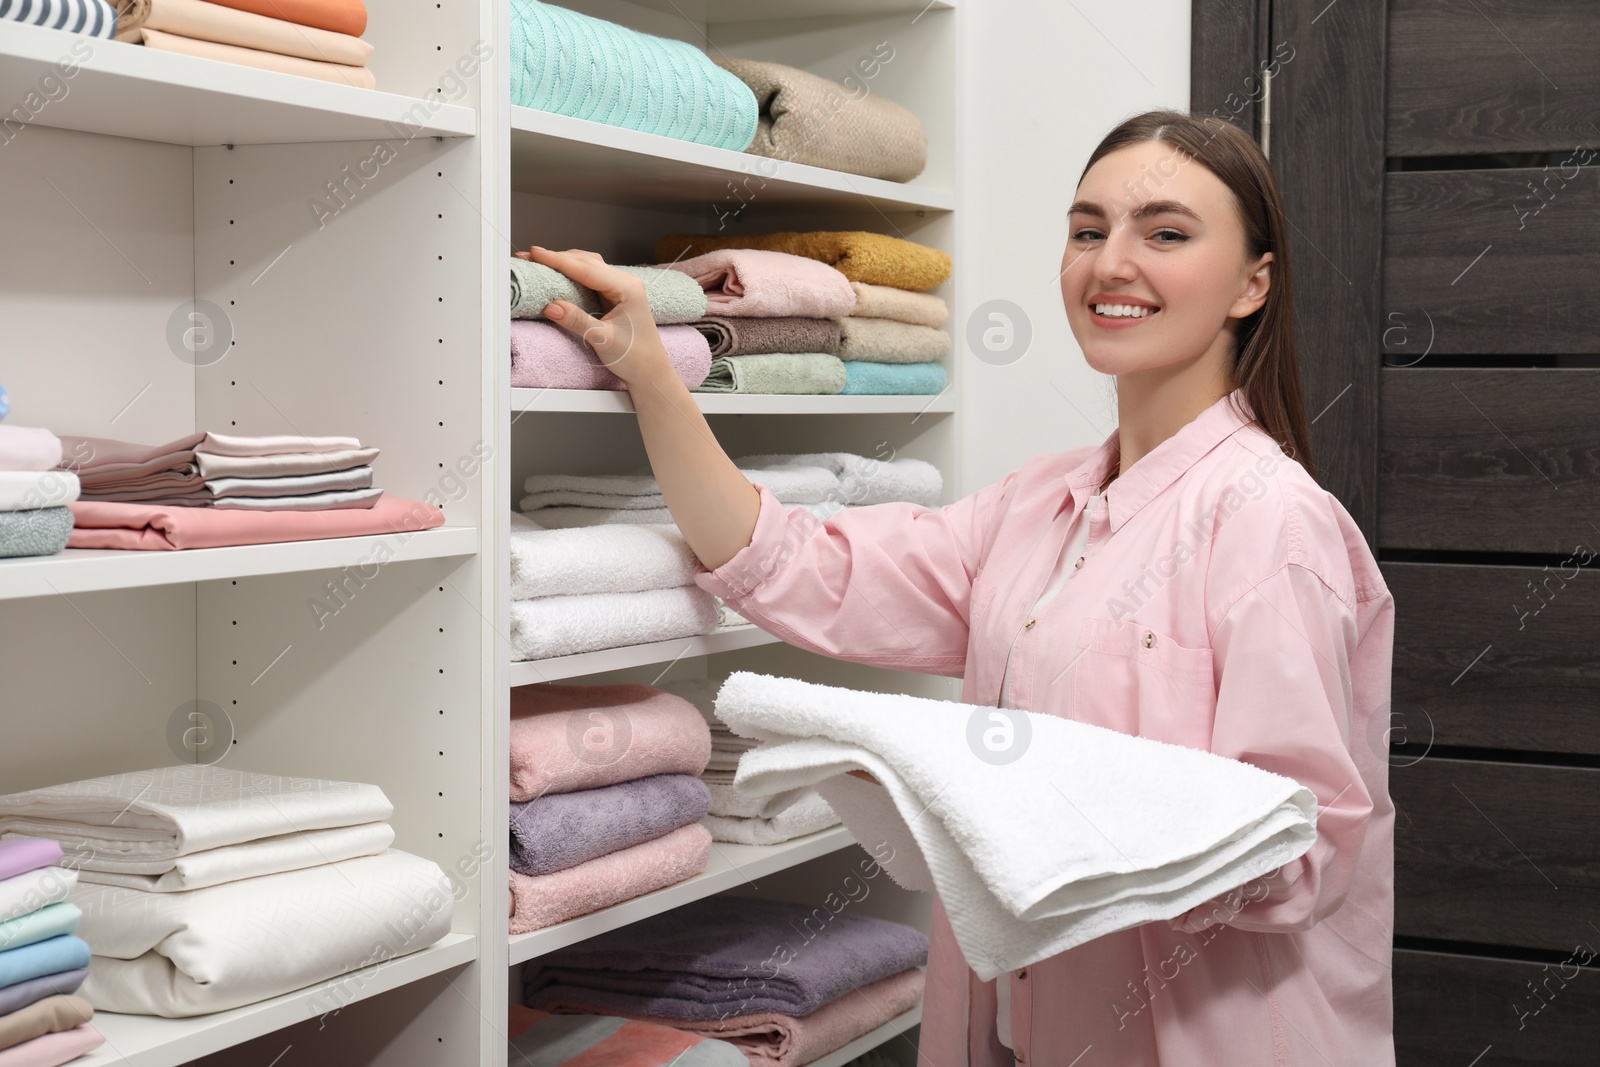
859	255
729	336
809	119
888	341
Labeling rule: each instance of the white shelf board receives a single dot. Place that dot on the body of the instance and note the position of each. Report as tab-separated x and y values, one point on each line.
87	570
618	401
556	155
151	1041
128	90
715	11
871	1039
730	866
529	672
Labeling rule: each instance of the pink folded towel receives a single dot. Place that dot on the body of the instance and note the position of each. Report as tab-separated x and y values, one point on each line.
545	356
101	524
763	284
538	901
63	1046
570	737
34	448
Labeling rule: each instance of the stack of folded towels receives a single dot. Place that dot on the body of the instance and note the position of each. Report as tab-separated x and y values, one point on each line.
205	888
826	977
889	338
41	963
34	517
91	18
311	38
606	801
734	816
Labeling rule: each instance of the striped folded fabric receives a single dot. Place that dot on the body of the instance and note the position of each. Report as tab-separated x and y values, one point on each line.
94	18
555	1040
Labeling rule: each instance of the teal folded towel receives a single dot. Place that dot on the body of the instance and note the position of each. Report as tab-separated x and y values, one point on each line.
674	296
53	954
35	532
775	372
881	379
588	68
52	920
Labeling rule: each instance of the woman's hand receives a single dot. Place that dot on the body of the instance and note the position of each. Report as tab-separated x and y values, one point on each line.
625	337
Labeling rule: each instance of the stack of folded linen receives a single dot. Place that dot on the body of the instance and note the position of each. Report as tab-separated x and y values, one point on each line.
734	816
861	480
606	799
690	968
547	356
205	888
311	38
809	119
41	963
890	340
34	517
539	1037
91	18
557	501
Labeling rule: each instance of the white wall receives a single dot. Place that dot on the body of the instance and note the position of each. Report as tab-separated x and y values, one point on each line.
1045	80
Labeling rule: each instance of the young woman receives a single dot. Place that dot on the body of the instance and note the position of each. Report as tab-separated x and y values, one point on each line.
1185	580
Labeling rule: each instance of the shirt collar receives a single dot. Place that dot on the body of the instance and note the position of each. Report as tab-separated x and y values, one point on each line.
1159	467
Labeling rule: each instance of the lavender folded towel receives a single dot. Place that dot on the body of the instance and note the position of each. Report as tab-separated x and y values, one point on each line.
19	855
730	336
561	830
13	997
695	961
545	356
34	448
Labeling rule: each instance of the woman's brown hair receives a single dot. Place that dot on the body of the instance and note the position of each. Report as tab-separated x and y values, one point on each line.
1265	363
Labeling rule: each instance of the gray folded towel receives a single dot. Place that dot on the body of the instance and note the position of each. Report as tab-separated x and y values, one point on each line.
776	372
35	532
674	296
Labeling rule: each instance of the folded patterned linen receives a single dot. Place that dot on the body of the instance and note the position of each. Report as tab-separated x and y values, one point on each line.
694	961
809	373
569	518
863	378
865	480
617	558
155	816
902	305
757	283
141	526
52	920
888	341
332	500
282	464
733	336
791	483
542	900
570	737
249	859
538	1037
342	73
36	532
673	298
780	1039
53	1049
572	64
90	18
16	997
47	1016
1090	832
217	22
352	478
860	255
28	448
181	954
813	120
30	490
336	16
64	952
22	894
28	854
546	356
561	830
807	816
565	625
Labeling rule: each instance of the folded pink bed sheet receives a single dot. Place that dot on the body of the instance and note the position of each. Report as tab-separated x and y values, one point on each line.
34	448
759	283
538	901
545	356
99	524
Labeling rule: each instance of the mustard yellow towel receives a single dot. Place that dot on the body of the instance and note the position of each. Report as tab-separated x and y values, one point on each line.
874	258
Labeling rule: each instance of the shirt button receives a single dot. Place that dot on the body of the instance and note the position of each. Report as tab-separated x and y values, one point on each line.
1078	564
1149	639
1022	1057
1028	625
1023	973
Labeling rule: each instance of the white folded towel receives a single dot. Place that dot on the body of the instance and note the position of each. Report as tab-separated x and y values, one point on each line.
28	490
806	816
270	855
568	518
729	803
614	558
181	954
793	484
564	625
161	814
1088	832
864	480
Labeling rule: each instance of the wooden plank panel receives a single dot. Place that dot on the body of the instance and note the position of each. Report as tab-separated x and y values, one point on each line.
1497	657
1496	853
1489	460
1475	76
1453	1009
1493	261
1224	51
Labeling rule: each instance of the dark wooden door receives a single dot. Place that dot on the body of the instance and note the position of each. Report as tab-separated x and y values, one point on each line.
1440	160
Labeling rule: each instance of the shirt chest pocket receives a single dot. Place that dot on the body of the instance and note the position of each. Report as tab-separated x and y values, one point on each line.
1132	678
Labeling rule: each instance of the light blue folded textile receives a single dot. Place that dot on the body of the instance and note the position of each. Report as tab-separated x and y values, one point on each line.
588	68
861	377
93	18
53	920
50	956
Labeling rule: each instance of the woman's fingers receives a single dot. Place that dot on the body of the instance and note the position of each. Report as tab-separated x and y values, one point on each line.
590	270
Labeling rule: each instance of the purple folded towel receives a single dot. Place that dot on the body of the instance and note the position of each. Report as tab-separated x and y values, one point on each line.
19	855
727	955
561	830
19	996
545	356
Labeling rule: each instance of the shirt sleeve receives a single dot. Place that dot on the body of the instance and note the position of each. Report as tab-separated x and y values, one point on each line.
1283	652
884	584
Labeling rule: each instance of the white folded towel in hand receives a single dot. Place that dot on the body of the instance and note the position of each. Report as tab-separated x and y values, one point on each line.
863	480
613	558
792	484
1088	832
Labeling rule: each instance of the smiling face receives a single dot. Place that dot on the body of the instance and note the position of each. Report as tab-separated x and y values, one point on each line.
1157	271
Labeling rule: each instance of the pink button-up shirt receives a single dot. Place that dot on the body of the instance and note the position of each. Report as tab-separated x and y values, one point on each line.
1227	603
